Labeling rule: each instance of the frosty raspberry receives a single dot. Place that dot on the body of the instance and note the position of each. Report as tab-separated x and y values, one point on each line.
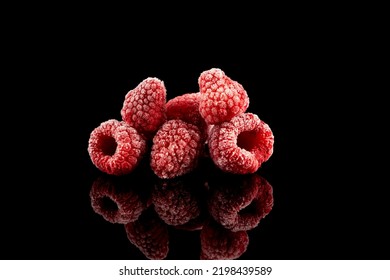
221	97
144	106
175	149
241	145
115	147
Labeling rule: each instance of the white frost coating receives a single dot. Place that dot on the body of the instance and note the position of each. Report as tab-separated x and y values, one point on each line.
236	99
220	89
229	93
220	82
172	147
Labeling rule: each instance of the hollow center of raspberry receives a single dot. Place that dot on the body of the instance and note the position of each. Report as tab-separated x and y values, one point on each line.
108	145
248	140
109	205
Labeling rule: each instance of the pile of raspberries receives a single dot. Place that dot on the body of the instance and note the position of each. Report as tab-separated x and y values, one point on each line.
210	122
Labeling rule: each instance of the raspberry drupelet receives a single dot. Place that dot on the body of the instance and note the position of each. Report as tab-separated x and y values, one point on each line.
144	106
241	145
221	97
115	147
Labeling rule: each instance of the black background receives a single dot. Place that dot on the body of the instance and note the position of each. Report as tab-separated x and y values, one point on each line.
301	80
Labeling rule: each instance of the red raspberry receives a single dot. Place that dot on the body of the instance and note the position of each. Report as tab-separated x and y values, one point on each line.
175	149
144	106
175	202
221	97
115	202
150	235
115	147
219	243
241	145
240	204
186	108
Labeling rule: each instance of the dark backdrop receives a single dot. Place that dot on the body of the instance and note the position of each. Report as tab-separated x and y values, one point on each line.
327	203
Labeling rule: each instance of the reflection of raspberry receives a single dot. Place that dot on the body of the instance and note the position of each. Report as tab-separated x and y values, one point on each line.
221	97
114	202
115	148
219	243
175	202
144	106
241	206
150	235
229	195
265	197
185	107
241	145
175	150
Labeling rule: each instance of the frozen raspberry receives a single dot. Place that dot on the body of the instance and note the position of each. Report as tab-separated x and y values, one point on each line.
144	106
219	243
186	108
241	145
175	202
221	97
240	203
115	147
150	235
175	149
114	201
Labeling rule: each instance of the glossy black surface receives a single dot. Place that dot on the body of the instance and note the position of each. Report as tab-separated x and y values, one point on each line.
219	209
328	202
